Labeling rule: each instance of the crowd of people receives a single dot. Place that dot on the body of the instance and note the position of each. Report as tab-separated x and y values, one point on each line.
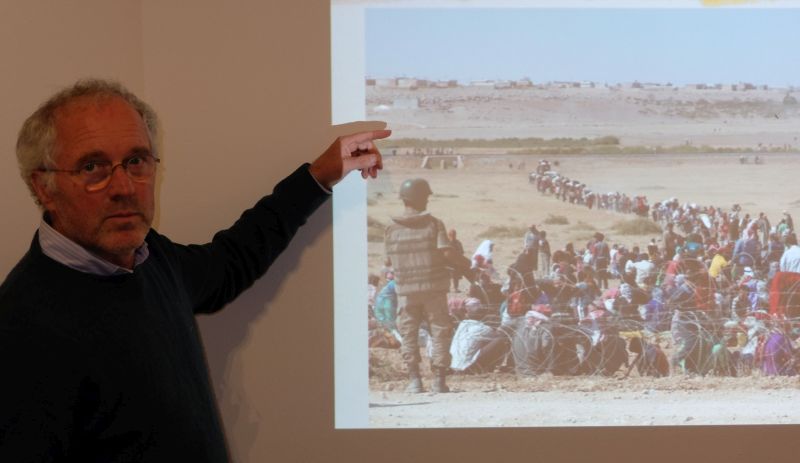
717	293
550	182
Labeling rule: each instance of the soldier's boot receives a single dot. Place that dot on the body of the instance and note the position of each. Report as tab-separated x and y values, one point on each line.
414	380
439	384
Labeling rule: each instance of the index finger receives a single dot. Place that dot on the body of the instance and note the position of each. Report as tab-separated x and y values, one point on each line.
365	136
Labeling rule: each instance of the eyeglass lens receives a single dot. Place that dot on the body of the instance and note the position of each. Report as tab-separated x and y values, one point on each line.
138	168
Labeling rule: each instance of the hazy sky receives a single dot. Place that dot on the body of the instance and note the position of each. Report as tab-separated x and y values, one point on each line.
602	45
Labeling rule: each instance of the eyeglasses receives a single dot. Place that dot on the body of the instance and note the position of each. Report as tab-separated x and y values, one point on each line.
96	175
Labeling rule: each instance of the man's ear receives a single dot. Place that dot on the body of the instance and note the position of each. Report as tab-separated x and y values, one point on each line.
43	193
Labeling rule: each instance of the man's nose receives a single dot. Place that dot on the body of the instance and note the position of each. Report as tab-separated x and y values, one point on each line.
120	183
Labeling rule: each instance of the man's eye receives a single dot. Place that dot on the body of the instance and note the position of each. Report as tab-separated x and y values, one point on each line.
135	160
89	167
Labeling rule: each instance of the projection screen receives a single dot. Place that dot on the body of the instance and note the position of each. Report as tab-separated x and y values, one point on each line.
579	119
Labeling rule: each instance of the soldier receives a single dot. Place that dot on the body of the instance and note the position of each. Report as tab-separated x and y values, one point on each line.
418	245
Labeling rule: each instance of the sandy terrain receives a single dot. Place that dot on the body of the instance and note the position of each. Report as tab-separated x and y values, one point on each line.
637	116
504	399
487	193
641	407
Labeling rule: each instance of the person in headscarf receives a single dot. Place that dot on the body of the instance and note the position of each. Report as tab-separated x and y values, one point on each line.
544	254
624	305
482	263
779	356
483	254
477	347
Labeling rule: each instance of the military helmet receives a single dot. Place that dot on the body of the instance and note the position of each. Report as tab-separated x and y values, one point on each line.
415	189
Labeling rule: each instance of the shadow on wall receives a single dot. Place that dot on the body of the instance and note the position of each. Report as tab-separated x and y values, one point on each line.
225	336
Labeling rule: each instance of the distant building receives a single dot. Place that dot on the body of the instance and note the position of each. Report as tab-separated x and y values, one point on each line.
407	82
442	162
386	82
565	84
444	84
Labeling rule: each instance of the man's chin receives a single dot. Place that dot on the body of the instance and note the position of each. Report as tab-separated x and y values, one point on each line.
124	241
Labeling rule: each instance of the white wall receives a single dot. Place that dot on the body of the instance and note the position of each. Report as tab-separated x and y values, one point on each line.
45	45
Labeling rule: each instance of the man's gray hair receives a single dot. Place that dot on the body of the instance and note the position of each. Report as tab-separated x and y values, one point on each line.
37	137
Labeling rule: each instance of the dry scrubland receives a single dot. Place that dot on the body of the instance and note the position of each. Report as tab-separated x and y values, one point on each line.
638	116
488	200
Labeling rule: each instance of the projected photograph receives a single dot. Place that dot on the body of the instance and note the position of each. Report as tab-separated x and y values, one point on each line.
585	217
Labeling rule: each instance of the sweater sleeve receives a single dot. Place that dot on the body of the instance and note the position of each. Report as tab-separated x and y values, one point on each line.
215	273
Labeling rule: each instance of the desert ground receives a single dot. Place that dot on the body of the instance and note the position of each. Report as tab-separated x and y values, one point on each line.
660	115
490	198
504	399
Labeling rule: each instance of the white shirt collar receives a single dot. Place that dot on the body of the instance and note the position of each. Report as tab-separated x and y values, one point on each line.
65	251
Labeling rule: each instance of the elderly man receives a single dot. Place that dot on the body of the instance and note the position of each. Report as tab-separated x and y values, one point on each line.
98	341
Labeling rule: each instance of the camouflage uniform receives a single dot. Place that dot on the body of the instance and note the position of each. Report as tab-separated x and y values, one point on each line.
415	242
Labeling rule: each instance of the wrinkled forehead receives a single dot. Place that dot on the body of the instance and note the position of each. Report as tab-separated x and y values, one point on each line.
97	122
99	103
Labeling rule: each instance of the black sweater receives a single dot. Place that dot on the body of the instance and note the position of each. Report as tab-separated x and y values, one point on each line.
112	369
